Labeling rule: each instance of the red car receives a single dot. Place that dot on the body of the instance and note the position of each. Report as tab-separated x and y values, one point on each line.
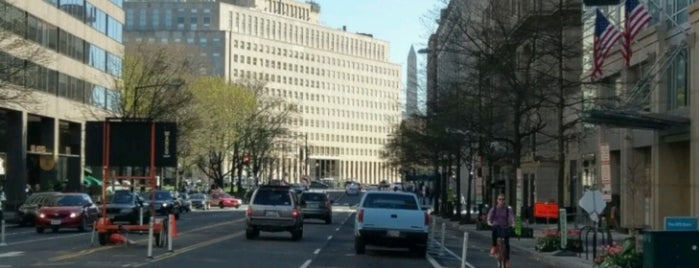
224	200
70	210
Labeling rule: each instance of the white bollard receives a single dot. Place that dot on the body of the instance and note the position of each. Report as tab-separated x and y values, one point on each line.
140	216
463	250
92	235
441	247
170	218
150	237
2	233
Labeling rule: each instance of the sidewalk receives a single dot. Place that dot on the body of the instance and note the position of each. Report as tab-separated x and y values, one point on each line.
556	258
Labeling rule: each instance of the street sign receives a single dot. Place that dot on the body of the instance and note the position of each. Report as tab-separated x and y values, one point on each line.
605	172
593	203
681	223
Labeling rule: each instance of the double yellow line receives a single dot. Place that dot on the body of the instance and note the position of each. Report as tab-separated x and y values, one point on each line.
188	248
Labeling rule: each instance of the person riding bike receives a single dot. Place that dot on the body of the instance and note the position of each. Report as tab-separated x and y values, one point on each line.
501	218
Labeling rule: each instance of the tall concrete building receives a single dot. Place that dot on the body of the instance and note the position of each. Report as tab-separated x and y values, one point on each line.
411	107
346	90
62	59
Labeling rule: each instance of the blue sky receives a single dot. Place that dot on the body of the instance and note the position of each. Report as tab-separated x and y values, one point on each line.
400	22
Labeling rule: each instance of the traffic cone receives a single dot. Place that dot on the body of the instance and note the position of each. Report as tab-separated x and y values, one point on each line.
173	226
116	238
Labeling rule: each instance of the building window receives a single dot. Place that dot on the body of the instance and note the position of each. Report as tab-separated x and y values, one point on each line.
142	18
168	18
677	82
156	18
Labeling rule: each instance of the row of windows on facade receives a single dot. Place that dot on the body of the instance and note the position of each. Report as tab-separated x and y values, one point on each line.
333	151
92	16
287	9
28	74
314	59
119	3
49	36
330	99
195	22
383	103
305	36
321	72
248	24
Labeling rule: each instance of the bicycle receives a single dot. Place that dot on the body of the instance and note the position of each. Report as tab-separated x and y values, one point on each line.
500	246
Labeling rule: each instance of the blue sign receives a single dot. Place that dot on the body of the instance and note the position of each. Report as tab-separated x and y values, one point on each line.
681	223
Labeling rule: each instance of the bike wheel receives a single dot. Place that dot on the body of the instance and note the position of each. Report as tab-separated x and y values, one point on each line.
501	253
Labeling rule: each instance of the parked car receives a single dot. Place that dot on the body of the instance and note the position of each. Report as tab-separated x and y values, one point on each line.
29	210
70	210
274	209
316	205
163	202
199	201
391	219
224	200
352	189
126	206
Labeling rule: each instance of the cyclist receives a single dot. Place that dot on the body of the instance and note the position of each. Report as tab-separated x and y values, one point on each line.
501	218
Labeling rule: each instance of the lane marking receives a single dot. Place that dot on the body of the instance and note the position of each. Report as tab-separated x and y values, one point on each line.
11	254
330	237
452	253
189	248
103	248
337	229
317	251
432	261
306	264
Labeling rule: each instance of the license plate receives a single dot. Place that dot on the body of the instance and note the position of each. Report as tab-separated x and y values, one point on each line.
393	233
55	222
272	214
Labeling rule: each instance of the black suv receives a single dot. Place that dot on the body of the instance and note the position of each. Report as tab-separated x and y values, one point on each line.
125	206
164	202
274	208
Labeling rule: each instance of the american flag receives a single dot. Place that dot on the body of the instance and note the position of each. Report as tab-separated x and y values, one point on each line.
606	35
637	17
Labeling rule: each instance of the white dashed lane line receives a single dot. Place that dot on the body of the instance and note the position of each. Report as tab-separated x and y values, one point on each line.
316	252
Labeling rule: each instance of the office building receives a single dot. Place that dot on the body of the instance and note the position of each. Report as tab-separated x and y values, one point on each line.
345	88
62	58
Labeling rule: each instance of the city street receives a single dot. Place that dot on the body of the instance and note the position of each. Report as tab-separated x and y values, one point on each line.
216	238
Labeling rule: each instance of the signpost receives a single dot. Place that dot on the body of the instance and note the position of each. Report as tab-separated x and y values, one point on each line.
605	172
564	228
594	204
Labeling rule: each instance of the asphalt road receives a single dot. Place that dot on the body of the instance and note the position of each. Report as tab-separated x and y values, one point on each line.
215	238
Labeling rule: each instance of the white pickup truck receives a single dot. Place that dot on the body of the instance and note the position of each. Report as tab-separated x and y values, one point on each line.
391	219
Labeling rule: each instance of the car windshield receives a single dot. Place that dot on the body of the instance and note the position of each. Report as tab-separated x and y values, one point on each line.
70	200
390	201
313	197
272	198
122	199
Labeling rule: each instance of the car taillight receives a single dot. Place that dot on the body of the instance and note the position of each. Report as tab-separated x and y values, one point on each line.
427	218
360	215
248	212
327	203
294	213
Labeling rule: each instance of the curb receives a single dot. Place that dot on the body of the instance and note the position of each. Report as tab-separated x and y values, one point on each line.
538	255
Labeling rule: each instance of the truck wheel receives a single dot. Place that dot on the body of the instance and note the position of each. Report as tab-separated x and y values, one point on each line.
251	233
297	234
328	220
419	251
103	237
359	245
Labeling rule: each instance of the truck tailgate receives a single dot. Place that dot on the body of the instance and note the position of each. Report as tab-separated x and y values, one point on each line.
395	219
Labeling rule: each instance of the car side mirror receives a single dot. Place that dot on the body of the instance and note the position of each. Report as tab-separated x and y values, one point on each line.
425	208
87	205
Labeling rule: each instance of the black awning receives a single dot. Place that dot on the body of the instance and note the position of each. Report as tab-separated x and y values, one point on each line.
634	119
